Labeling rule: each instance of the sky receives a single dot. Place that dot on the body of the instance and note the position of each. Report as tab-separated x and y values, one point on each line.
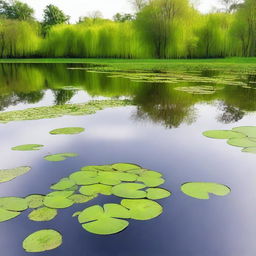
77	8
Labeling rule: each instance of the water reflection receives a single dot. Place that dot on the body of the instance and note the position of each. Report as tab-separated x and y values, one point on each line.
160	103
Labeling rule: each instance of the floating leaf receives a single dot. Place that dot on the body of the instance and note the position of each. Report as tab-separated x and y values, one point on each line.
7	215
97	168
58	199
67	131
242	142
13	203
201	190
129	190
151	181
108	178
249	131
63	184
249	150
95	189
142	209
85	178
42	240
157	193
197	89
28	147
59	157
76	214
80	199
10	174
66	193
35	201
43	214
125	167
223	134
102	221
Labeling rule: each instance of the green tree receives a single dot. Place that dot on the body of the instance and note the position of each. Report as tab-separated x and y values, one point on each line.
123	17
16	10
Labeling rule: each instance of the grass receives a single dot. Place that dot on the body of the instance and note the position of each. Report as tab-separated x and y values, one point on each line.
226	64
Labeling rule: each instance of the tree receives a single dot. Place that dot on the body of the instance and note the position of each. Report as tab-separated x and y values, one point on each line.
123	17
138	5
230	6
16	10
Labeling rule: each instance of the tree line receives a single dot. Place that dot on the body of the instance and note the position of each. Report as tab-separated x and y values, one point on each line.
158	29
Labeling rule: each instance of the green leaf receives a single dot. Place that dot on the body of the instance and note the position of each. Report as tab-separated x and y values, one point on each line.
35	201
85	178
80	199
67	131
223	134
28	147
142	209
95	189
10	174
123	167
249	131
151	181
13	203
102	221
7	215
43	214
42	240
63	184
108	178
58	199
243	142
157	193
59	157
249	150
129	190
201	190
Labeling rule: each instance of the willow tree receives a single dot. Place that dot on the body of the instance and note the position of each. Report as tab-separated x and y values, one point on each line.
157	21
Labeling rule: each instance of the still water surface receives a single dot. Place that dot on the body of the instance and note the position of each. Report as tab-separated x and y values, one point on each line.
162	132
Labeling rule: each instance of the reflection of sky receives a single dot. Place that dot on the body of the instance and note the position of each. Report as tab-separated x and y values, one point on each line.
218	227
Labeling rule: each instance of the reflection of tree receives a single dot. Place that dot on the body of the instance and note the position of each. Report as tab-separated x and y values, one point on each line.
63	96
230	115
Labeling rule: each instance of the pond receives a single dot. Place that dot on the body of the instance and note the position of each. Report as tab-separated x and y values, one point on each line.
160	128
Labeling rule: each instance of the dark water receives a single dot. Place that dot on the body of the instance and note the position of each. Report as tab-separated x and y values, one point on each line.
162	132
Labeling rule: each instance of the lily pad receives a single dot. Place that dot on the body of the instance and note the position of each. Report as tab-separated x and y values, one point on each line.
123	167
201	190
108	178
7	215
58	199
28	147
103	221
157	193
80	199
43	214
129	190
249	131
85	178
249	150
13	203
10	174
67	131
95	189
42	240
59	157
63	184
151	181
242	142
142	209
223	134
35	201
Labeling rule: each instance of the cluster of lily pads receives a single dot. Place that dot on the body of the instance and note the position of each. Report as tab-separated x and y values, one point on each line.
243	136
207	89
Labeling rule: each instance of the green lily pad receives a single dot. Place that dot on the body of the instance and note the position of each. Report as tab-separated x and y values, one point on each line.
102	221
151	181
108	178
80	199
58	199
10	174
59	157
63	184
35	201
249	131
7	215
197	89
97	168
142	209
85	178
28	147
64	193
13	203
43	214
95	189
42	240
201	190
249	150
123	167
67	131
242	142
75	214
157	193
223	134
129	190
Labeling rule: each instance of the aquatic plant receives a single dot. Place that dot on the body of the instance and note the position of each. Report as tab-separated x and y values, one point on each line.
59	157
67	131
243	136
28	147
10	174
